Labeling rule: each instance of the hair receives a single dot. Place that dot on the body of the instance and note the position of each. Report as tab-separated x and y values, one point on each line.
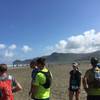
94	61
3	68
41	61
32	63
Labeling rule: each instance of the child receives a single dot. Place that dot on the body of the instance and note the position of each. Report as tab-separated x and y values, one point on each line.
74	82
34	68
8	84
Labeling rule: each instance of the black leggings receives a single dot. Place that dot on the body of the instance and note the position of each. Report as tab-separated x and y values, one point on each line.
90	97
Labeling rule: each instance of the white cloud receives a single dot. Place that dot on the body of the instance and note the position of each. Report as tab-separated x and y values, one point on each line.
2	46
11	52
61	44
26	49
12	47
60	47
88	41
8	54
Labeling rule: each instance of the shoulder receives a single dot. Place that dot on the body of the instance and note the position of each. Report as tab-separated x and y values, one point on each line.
40	73
35	70
45	69
6	77
10	77
79	72
88	72
71	72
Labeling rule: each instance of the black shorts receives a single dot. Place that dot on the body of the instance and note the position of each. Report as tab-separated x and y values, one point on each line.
75	90
90	97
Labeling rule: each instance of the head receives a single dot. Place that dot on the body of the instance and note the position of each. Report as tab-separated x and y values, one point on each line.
3	68
40	62
32	64
94	61
75	65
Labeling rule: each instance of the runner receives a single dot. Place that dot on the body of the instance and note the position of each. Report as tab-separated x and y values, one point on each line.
91	80
74	82
41	85
8	84
35	70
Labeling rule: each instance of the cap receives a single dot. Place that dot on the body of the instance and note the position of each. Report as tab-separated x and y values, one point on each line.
75	64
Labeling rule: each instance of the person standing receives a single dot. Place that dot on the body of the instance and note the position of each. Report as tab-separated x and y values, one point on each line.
41	85
8	84
74	82
35	69
91	80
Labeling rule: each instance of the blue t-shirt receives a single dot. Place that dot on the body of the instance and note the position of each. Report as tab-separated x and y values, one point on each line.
34	72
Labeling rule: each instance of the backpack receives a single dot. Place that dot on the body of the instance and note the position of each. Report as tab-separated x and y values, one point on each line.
97	72
48	82
97	76
6	88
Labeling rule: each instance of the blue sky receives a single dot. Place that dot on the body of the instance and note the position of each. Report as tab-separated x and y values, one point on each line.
31	28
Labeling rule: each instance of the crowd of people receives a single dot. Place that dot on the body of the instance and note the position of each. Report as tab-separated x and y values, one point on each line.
41	79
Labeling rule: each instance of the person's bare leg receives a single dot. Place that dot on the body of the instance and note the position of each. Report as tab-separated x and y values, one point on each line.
77	95
71	95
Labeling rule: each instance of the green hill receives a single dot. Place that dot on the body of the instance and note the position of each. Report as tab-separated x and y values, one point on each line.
63	57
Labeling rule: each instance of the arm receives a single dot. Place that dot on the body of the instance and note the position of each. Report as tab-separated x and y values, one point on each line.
17	87
30	91
80	82
31	88
34	86
34	89
69	80
80	79
85	84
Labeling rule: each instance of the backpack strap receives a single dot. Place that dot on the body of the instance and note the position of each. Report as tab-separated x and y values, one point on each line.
9	77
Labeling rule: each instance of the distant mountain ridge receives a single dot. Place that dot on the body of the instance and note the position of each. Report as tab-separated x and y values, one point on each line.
64	57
